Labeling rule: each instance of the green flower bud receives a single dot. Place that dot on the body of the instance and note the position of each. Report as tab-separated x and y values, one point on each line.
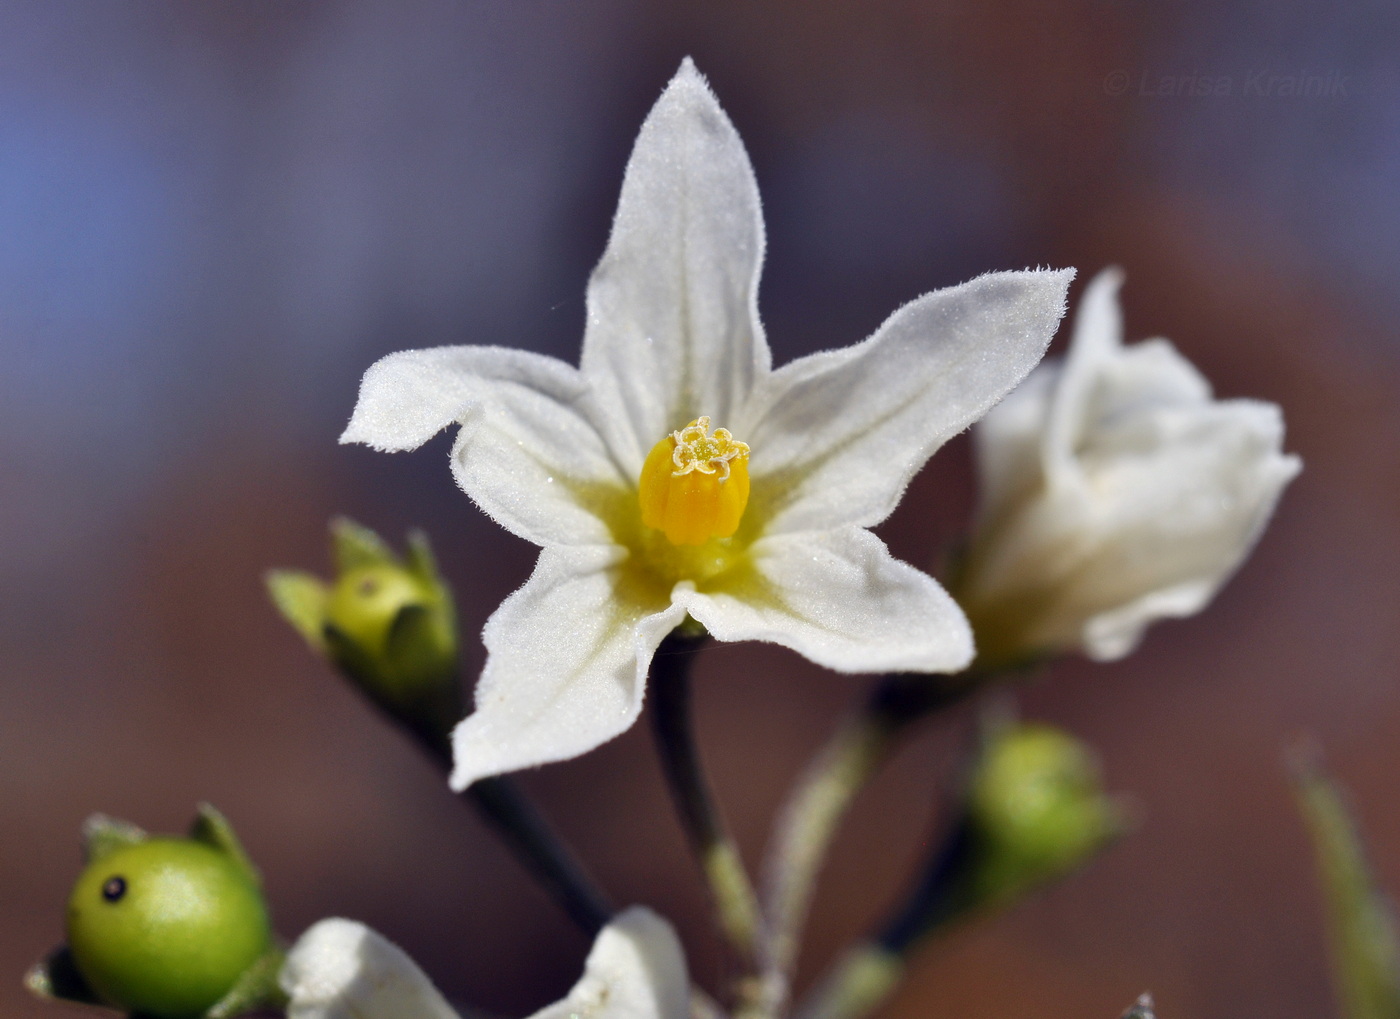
387	623
165	927
1036	810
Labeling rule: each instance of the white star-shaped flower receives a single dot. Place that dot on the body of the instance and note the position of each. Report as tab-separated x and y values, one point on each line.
340	969
757	529
1115	492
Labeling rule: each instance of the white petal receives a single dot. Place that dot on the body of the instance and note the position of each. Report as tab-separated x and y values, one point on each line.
1007	442
567	662
636	970
1097	337
340	969
1113	635
529	452
840	599
673	328
1102	381
1174	524
836	436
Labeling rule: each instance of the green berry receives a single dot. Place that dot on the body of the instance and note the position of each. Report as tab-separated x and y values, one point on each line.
364	603
166	927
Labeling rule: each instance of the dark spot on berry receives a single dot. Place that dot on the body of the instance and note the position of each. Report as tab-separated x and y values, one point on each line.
368	587
114	889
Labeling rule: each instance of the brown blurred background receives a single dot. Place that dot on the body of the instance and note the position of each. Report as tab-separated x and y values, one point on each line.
213	217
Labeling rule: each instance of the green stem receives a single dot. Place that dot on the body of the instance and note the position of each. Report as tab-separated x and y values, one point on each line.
819	801
865	977
807	825
736	905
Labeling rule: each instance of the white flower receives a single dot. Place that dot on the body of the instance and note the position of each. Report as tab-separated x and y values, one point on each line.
1115	492
340	969
673	344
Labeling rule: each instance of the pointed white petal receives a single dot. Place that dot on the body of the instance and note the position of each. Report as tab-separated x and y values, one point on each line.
836	436
1102	381
840	599
340	969
673	328
529	452
1097	337
636	970
567	662
1007	442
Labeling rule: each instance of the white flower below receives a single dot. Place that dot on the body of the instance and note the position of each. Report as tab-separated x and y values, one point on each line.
760	531
340	969
1115	491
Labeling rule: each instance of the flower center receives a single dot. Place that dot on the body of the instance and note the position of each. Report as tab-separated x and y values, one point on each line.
695	485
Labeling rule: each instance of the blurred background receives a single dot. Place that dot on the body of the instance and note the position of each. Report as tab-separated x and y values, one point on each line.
215	216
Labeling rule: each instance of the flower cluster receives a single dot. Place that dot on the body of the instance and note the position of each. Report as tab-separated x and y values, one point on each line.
679	485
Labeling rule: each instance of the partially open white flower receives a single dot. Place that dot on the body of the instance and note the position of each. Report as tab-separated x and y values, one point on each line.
340	969
756	528
1115	492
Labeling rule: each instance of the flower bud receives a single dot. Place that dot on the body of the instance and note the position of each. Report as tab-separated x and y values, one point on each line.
387	623
166	927
1114	491
1036	810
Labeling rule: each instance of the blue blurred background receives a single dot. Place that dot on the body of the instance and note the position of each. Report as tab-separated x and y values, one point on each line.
214	216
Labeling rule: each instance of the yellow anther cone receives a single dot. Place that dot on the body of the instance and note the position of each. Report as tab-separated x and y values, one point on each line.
702	500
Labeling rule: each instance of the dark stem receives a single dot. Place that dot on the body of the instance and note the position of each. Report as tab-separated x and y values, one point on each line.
939	896
735	902
541	851
527	835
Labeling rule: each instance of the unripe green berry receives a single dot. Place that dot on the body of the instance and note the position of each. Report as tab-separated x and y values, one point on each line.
363	603
166	927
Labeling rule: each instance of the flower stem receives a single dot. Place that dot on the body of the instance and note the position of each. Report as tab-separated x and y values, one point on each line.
543	854
819	801
856	985
736	904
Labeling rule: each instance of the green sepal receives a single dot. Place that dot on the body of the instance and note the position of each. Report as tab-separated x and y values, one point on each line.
56	978
417	629
256	990
103	835
356	546
1365	946
301	598
420	559
1141	1009
691	628
214	830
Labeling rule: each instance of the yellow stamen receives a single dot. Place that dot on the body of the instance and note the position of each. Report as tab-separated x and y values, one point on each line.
695	485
